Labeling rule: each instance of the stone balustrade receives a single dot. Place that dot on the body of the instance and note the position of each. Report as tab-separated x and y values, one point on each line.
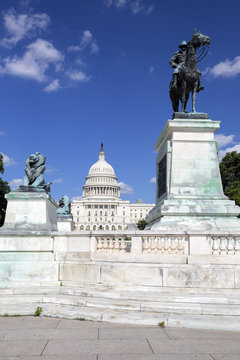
225	245
166	244
111	244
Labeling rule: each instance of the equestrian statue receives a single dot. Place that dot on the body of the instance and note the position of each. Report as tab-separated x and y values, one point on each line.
186	76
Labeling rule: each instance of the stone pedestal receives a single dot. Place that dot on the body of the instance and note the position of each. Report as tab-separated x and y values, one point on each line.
65	224
30	211
189	193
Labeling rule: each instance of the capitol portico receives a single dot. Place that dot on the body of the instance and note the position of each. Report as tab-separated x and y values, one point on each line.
101	207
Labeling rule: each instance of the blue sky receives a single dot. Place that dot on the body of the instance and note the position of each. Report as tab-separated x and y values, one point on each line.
76	73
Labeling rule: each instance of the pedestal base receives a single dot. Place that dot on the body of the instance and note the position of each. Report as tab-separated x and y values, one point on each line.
65	224
189	193
30	211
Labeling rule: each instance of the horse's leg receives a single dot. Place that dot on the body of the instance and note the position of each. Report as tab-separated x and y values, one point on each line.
194	96
187	97
183	95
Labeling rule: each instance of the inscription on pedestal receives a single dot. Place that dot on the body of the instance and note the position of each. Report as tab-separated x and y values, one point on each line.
162	176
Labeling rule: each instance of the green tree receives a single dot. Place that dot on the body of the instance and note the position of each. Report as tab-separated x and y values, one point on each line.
141	224
230	172
4	189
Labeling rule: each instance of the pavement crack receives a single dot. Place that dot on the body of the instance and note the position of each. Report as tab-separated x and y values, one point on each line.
166	333
212	357
44	348
98	334
150	346
57	324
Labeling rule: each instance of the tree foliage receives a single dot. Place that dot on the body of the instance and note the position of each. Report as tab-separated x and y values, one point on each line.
230	172
4	189
141	224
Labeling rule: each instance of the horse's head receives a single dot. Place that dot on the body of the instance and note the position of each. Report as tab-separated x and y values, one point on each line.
199	39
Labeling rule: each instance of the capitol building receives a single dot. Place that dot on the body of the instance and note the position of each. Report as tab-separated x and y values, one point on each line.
101	207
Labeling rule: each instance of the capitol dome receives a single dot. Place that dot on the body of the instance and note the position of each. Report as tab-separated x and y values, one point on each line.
101	179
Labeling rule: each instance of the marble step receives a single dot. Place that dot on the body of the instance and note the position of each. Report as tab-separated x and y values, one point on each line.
188	305
99	292
122	296
205	312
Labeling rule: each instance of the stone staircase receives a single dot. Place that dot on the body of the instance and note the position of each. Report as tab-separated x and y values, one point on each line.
177	307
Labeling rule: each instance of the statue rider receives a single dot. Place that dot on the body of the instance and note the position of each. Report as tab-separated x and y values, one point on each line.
177	61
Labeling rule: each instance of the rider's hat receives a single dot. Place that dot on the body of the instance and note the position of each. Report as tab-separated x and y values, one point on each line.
183	44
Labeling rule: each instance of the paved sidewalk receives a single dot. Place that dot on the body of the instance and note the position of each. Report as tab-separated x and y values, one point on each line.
36	338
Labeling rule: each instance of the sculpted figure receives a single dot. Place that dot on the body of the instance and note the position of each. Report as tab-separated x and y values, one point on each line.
64	207
34	169
186	76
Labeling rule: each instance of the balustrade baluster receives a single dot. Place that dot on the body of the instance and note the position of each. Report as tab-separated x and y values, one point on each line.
159	244
110	245
180	249
122	245
99	244
173	245
116	245
222	246
230	245
105	244
152	245
236	245
215	245
145	245
166	245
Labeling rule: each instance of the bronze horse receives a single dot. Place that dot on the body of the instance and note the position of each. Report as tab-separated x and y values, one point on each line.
189	75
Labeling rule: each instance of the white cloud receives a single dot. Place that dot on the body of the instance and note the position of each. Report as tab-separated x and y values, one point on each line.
14	183
8	161
76	197
227	68
94	48
2	133
80	76
125	188
121	3
150	9
153	180
137	6
80	62
151	69
50	169
57	181
224	140
34	63
108	3
19	26
222	153
53	86
86	41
